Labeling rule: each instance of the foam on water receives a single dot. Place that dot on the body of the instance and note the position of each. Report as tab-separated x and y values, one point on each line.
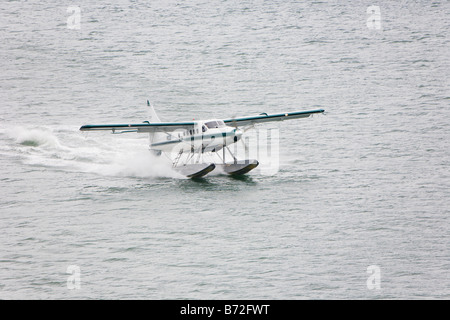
34	137
73	151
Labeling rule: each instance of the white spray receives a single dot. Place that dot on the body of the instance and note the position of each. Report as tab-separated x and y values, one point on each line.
102	153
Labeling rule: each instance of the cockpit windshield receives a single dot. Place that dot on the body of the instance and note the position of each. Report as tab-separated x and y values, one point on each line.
215	124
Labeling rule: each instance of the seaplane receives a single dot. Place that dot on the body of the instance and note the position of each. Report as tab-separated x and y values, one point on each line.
184	143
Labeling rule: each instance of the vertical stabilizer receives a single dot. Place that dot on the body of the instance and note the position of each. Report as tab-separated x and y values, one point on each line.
153	118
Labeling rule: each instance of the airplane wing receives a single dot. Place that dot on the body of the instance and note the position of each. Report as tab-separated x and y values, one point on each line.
264	117
139	127
171	126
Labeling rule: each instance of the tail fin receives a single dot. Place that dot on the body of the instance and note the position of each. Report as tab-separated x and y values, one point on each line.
153	118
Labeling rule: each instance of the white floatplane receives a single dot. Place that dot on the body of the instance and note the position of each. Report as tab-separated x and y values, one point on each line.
192	139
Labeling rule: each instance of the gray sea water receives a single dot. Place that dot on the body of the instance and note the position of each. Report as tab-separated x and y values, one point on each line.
358	208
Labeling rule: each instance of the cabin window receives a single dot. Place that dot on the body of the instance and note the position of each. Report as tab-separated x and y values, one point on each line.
211	124
215	124
204	128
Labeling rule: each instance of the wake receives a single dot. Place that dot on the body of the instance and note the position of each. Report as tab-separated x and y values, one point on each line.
68	149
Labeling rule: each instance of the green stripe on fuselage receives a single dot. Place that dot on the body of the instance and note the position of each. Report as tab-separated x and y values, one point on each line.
193	138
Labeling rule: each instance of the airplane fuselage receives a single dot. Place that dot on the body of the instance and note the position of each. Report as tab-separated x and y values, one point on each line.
205	136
